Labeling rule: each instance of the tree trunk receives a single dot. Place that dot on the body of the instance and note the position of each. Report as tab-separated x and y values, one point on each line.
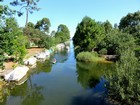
26	24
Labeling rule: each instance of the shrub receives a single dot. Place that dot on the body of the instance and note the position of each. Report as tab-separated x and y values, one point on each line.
124	84
88	57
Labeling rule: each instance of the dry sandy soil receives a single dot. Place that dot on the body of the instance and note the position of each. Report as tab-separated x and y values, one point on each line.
31	52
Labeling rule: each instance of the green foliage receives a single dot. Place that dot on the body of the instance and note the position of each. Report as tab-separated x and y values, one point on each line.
32	34
116	41
131	24
12	40
2	58
88	57
63	34
43	25
88	34
19	49
46	42
108	26
89	76
37	34
124	84
5	11
29	5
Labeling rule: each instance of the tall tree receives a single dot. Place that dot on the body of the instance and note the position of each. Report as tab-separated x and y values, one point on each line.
89	34
62	34
29	5
43	25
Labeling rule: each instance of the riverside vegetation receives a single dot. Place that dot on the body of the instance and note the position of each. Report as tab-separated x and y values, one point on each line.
122	40
16	40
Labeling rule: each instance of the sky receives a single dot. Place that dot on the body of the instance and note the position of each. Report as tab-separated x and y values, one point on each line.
71	12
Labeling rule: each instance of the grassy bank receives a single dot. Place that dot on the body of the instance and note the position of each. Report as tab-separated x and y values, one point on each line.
89	57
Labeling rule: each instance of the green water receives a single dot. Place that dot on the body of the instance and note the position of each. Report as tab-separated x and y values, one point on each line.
65	83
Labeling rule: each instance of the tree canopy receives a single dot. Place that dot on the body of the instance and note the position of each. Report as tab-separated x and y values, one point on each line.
43	25
62	34
89	34
131	24
12	40
29	5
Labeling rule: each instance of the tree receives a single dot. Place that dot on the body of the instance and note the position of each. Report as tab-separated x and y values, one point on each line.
89	34
108	27
12	40
43	25
63	34
5	12
30	30
29	5
131	24
116	41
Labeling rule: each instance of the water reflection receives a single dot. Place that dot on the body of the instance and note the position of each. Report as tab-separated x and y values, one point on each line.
61	56
34	96
66	82
90	73
90	99
3	92
25	94
91	77
42	67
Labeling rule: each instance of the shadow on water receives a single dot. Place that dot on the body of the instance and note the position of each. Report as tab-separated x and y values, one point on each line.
90	99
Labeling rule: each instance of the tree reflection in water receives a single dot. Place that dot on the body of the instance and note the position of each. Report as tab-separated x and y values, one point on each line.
34	96
61	56
43	67
89	74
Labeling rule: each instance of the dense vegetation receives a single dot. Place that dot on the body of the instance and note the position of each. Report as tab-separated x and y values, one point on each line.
88	34
15	40
123	41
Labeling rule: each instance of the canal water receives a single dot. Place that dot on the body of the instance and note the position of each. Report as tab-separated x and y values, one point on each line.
66	82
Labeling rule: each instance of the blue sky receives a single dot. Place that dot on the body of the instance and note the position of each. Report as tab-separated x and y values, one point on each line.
71	12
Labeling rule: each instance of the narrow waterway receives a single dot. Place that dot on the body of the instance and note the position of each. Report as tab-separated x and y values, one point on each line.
66	82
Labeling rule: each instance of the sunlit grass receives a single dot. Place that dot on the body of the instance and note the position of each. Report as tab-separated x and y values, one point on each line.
89	57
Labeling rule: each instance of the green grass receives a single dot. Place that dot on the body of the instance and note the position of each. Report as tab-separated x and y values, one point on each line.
89	57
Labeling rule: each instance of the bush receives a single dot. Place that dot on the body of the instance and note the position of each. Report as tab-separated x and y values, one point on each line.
124	84
88	57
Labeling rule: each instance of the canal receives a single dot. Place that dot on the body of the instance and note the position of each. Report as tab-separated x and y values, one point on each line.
66	82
